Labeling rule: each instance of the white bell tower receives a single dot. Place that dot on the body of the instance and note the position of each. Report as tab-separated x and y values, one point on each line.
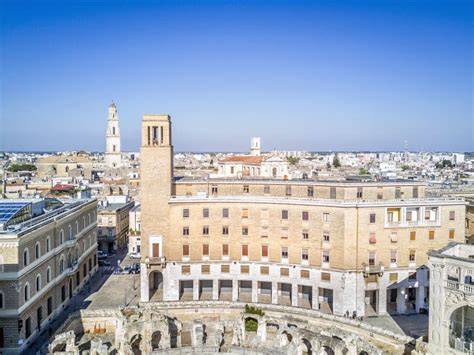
255	146
113	157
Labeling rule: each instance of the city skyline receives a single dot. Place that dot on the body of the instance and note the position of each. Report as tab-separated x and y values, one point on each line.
229	71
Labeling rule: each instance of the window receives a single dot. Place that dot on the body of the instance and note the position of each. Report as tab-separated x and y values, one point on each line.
393	237
412	256
26	257
264	270
264	232
205	230
37	250
189	190
245	250
61	265
225	249
50	305
371	258
185	231
232	169
225	269
288	190
372	218
264	251
304	254
325	276
244	269
325	256
452	215
284	233
84	270
326	237
305	235
77	227
379	193
372	238
412	276
205	250
48	241
185	251
2	300
26	292
185	212
310	191
246	189
185	269
28	327
304	274
245	231
393	256
284	214
266	189
412	235
69	232
225	230
214	189
305	216
431	235
245	213
225	213
205	213
451	234
284	253
359	192
326	217
398	192
332	193
415	192
38	283
284	271
393	277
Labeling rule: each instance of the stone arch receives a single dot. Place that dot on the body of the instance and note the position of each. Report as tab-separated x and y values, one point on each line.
155	282
327	350
135	344
155	340
285	338
305	347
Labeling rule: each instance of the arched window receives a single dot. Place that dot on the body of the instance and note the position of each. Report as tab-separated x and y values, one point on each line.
48	244
77	227
37	250
38	282
83	222
2	300
114	147
26	257
88	218
61	237
69	232
61	264
48	274
26	292
113	131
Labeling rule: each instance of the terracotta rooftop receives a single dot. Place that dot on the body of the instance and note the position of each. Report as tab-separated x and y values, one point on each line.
62	187
247	159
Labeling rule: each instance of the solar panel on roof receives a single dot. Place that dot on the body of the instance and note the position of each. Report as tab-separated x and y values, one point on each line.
9	209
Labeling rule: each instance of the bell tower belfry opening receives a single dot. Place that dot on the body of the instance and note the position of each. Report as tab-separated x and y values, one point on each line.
156	175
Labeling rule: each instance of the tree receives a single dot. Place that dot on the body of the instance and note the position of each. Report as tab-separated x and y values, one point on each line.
335	161
293	160
405	167
363	171
21	167
444	164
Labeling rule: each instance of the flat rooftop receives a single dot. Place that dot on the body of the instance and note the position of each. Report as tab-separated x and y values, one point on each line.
455	251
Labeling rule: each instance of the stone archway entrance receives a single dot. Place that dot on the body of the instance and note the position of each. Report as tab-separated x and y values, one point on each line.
155	279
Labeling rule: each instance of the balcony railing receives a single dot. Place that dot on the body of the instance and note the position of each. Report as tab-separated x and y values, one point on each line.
160	260
466	288
374	269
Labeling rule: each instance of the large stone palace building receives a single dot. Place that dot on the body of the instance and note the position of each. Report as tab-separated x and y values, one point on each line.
47	253
347	248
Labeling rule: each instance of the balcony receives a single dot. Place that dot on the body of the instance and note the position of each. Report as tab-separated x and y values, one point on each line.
465	288
159	260
373	269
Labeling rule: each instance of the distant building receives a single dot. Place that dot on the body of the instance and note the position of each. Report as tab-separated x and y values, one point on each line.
255	146
451	324
113	223
113	157
470	221
47	253
134	239
65	166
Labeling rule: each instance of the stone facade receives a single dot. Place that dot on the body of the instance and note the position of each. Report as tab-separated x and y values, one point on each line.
43	263
113	225
346	248
113	156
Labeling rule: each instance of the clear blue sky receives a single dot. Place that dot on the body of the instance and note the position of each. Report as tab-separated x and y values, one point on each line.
309	75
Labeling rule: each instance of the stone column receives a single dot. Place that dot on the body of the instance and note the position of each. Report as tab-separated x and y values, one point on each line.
382	301
144	283
215	290
294	295
420	297
254	291
274	292
401	303
195	290
235	290
315	297
262	329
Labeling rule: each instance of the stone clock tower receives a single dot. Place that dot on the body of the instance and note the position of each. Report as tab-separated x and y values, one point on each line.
113	157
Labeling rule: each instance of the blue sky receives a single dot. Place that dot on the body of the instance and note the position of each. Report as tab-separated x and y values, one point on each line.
309	75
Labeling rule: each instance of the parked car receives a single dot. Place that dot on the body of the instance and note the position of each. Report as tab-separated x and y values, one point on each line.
102	255
118	270
135	268
126	270
135	256
103	263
